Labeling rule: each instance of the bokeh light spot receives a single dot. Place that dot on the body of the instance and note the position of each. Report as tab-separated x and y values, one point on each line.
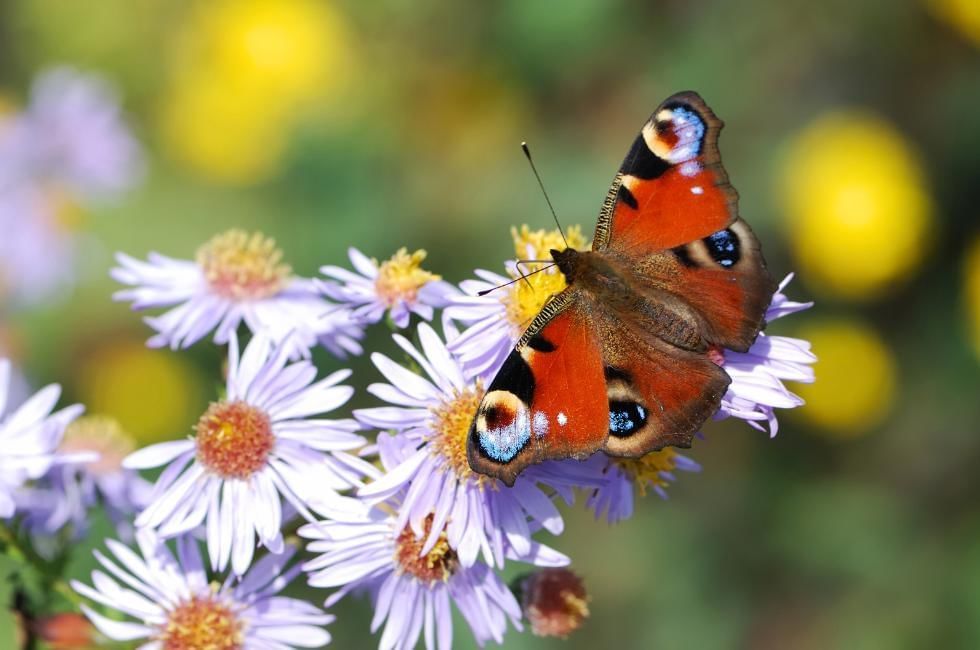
858	209
154	394
856	378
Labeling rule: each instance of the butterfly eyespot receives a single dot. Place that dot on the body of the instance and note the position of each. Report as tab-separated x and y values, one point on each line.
626	418
503	426
724	247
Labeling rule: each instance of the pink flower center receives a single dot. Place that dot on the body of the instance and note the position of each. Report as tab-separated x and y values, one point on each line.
555	602
438	565
234	439
242	266
202	622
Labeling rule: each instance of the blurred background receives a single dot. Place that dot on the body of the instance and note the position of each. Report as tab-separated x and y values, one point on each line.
853	132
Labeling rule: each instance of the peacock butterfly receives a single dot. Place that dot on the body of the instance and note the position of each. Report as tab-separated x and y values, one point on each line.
621	359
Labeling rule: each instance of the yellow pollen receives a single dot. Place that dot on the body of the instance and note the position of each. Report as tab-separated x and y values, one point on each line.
451	422
438	565
100	434
538	244
523	300
243	266
202	623
645	471
234	439
401	277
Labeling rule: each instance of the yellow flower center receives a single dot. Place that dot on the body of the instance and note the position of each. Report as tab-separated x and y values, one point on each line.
401	277
645	471
523	300
202	623
438	565
234	439
241	266
538	244
451	422
100	434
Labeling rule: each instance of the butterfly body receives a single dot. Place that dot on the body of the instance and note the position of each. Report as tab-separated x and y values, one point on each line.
620	360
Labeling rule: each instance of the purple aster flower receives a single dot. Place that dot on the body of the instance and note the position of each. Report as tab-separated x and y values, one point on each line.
614	498
490	336
67	492
236	278
757	387
29	439
340	333
251	449
496	320
37	253
431	416
411	583
72	135
170	601
398	286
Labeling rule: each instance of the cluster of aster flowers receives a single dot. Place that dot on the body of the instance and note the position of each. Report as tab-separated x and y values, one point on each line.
67	149
382	498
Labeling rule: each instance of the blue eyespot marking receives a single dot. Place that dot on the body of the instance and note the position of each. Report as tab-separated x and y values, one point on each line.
724	248
506	432
625	418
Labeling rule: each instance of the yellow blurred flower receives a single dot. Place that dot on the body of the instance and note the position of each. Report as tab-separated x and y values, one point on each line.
244	71
857	377
964	15
972	293
858	210
154	394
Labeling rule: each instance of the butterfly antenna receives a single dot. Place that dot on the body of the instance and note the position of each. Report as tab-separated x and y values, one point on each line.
523	277
527	154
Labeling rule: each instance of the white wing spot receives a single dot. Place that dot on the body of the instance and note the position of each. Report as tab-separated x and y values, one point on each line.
539	424
562	418
697	189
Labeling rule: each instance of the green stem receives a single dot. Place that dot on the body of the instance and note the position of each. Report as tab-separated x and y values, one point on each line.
13	546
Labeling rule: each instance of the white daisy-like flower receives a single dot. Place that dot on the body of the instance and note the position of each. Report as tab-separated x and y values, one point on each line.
431	416
236	278
29	439
251	449
398	286
757	388
171	604
412	584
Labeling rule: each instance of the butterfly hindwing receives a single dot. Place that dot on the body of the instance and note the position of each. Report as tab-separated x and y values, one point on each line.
549	398
659	394
721	277
671	189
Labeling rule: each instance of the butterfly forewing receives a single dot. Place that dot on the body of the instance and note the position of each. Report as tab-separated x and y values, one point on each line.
549	398
671	188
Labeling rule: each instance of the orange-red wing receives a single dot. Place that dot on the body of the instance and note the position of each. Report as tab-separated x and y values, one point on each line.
671	189
547	401
723	277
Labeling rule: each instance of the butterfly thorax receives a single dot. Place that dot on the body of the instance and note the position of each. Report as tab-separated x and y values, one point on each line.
609	284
